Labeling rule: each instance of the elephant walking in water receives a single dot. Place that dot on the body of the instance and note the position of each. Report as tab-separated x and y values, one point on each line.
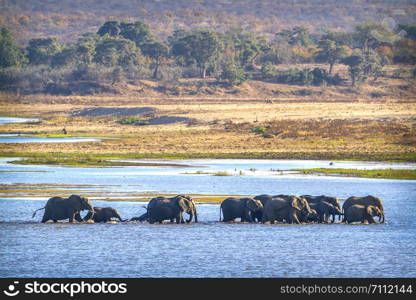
365	201
58	208
164	208
103	214
243	208
362	213
325	210
291	209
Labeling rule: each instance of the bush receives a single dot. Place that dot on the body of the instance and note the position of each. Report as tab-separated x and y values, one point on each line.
233	74
317	77
259	130
268	70
133	121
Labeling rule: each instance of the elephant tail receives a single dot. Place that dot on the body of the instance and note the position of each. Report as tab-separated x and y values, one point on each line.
34	213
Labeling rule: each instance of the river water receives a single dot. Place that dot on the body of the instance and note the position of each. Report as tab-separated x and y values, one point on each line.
209	248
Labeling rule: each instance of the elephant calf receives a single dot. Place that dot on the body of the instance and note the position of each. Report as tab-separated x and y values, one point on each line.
103	214
325	210
362	213
243	208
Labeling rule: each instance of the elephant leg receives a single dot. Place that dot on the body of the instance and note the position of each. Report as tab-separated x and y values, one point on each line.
294	218
78	217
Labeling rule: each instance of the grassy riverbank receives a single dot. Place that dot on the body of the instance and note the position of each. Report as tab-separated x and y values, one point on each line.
386	174
102	160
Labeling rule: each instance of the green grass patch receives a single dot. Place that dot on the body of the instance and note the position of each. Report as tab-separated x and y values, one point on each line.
221	173
56	157
386	174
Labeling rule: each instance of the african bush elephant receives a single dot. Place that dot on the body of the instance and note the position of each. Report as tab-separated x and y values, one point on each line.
367	200
165	208
325	210
258	215
362	213
243	208
287	208
58	208
141	218
103	214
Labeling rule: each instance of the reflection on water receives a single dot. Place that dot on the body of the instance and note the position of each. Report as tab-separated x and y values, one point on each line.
207	249
13	138
7	120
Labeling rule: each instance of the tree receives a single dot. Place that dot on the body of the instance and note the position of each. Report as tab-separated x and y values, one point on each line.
245	47
116	51
137	32
330	52
371	35
199	47
298	35
364	65
111	28
156	51
10	53
42	51
233	74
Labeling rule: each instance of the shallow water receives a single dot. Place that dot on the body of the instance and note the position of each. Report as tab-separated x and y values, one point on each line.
207	249
13	138
7	120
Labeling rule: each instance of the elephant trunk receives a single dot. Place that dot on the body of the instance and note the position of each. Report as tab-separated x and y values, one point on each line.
191	215
91	211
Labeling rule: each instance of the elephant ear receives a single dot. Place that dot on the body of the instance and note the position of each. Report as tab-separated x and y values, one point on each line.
369	209
249	203
295	202
183	203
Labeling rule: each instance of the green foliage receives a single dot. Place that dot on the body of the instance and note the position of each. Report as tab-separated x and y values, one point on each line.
268	70
134	121
233	74
244	47
364	65
156	51
10	53
259	130
298	35
113	51
111	28
200	48
137	32
317	77
296	76
42	51
331	53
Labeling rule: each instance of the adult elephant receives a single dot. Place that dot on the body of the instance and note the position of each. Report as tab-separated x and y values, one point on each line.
287	208
325	210
171	208
367	200
103	214
58	208
362	213
258	214
243	208
329	199
141	218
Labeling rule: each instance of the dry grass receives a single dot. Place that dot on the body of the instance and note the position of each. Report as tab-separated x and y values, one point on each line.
327	122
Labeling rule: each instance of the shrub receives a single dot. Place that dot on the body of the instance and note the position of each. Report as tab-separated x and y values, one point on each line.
233	74
259	130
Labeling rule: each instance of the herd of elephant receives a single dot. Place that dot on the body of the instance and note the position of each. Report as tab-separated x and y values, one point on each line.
262	208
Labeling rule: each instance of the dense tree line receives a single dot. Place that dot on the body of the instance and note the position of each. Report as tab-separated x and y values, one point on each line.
129	50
